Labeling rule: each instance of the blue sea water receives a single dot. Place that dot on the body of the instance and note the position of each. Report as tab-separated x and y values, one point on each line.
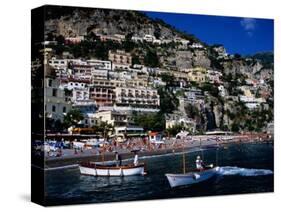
245	168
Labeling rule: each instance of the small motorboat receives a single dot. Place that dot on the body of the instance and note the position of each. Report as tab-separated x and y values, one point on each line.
96	169
191	178
204	173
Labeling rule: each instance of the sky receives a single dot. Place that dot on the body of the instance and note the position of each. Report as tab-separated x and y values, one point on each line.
245	36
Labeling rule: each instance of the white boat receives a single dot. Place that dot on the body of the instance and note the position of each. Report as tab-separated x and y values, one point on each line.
96	169
191	178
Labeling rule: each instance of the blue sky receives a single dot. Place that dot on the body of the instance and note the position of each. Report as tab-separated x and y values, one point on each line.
238	35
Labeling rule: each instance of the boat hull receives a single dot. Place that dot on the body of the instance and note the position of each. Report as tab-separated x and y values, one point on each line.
191	178
112	171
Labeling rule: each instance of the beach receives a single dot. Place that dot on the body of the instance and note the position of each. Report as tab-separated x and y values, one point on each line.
72	157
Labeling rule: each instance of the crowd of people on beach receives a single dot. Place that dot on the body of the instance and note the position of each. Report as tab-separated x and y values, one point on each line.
142	144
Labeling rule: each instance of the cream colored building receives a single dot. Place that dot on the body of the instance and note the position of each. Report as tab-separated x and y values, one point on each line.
138	97
111	117
197	74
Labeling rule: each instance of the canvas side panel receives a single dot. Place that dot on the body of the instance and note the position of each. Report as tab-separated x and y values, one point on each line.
37	105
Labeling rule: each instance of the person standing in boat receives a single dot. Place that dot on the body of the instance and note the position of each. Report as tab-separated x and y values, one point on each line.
118	159
136	159
199	163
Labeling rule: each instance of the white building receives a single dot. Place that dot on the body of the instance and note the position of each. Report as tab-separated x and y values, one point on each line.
80	94
74	85
118	66
197	46
129	131
99	74
100	64
157	41
79	89
56	105
58	63
193	94
251	102
137	39
222	91
82	72
137	97
149	38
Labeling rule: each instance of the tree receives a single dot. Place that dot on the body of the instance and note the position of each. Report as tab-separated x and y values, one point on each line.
104	128
212	89
168	101
172	131
192	111
151	59
235	127
154	122
169	79
72	118
135	59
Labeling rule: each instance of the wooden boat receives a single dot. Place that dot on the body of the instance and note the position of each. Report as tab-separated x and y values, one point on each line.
191	178
96	169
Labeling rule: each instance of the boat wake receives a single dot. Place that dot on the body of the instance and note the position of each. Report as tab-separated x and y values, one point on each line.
232	170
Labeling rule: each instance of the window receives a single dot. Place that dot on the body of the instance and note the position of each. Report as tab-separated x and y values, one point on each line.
64	109
50	83
55	92
53	108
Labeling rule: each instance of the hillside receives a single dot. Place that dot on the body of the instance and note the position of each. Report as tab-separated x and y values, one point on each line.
228	87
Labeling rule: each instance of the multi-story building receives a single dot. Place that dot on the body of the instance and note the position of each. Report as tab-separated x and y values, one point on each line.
193	94
56	105
58	63
111	117
80	94
120	57
82	71
78	89
102	92
198	74
100	64
137	97
99	74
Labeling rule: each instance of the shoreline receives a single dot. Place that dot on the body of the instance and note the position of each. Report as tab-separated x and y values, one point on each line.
53	163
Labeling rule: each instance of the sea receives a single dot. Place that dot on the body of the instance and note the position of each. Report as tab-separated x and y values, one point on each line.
244	168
